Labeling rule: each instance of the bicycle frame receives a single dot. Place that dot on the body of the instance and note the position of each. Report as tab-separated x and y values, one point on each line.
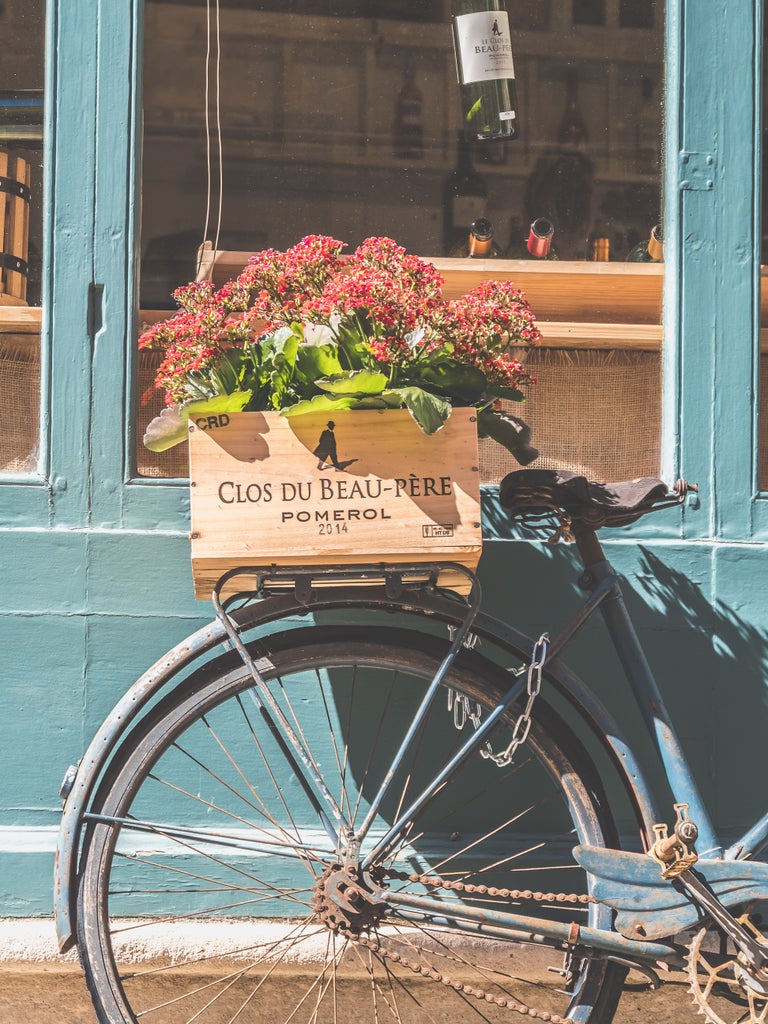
604	594
601	580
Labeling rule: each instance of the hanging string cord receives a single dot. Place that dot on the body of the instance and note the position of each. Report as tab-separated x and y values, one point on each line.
207	135
218	126
208	145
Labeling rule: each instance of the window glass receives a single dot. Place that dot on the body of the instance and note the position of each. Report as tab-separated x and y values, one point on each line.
21	193
268	121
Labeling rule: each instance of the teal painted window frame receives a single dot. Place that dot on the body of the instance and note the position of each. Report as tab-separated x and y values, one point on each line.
59	494
92	222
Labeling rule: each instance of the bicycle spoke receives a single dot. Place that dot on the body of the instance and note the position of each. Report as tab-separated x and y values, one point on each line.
341	763
374	746
236	975
260	805
235	953
224	892
263	813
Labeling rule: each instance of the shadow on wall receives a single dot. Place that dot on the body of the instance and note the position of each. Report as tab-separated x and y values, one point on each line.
712	666
710	659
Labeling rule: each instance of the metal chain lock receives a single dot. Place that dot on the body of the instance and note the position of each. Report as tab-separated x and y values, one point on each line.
465	710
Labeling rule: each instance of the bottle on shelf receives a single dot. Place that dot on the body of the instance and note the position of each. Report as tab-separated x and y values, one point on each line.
465	197
479	243
485	69
538	245
650	250
647	130
599	245
409	121
572	131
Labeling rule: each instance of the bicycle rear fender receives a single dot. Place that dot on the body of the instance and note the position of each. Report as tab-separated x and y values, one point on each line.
175	664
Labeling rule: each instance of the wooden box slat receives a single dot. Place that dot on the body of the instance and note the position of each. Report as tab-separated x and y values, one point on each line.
14	228
259	498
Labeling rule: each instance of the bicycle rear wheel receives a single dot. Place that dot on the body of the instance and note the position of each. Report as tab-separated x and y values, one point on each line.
217	886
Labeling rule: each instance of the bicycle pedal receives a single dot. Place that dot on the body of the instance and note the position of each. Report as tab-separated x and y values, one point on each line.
677	852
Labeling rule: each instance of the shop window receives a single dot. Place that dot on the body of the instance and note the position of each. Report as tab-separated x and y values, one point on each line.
343	118
21	189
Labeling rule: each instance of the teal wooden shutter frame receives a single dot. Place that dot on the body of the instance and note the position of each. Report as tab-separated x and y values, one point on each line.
712	281
711	287
59	496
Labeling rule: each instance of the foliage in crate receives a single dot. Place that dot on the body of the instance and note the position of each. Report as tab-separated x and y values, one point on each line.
310	330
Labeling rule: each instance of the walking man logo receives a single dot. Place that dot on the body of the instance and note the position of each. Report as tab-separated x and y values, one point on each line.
326	450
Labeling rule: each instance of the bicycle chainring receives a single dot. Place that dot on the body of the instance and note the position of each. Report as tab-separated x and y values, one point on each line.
725	987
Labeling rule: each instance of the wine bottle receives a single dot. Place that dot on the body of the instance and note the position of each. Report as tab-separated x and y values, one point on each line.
409	123
649	251
538	245
479	243
485	69
572	131
465	197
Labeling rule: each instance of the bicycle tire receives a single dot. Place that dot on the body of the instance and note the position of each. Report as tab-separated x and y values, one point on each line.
152	875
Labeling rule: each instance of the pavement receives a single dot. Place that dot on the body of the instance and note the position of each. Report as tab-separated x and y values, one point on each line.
37	986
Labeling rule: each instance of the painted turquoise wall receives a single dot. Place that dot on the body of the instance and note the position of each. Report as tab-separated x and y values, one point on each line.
96	565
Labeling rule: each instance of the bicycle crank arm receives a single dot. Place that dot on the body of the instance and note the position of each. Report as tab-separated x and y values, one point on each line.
705	898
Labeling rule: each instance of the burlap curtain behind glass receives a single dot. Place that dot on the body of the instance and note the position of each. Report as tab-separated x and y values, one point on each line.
596	413
19	402
591	412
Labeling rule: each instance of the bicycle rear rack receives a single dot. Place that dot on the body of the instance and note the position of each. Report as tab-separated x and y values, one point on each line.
396	579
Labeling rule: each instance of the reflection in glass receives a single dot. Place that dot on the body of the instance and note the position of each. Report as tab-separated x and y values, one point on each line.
21	188
343	118
347	126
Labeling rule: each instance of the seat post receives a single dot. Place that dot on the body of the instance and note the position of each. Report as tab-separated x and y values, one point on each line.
588	545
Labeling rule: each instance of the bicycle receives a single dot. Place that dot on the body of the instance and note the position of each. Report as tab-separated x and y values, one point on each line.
405	801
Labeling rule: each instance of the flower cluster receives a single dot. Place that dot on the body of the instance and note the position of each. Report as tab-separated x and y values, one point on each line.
311	327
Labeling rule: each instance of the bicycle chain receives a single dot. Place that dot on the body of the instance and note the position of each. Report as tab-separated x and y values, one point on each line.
459	986
491	890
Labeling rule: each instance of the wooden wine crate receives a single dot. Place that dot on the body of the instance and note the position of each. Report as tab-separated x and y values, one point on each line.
365	486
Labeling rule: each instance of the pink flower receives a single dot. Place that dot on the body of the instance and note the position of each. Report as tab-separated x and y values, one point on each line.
390	301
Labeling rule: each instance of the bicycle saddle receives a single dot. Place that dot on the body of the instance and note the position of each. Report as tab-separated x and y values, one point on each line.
541	493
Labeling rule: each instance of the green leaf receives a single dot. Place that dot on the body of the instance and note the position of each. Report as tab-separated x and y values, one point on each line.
371	402
429	411
317	361
353	345
509	431
392	398
357	382
279	351
170	427
320	403
449	377
510	394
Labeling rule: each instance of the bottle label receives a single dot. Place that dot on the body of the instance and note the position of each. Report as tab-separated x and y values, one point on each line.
484	46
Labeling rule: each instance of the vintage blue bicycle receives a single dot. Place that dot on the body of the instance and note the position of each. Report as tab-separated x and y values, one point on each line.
355	794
